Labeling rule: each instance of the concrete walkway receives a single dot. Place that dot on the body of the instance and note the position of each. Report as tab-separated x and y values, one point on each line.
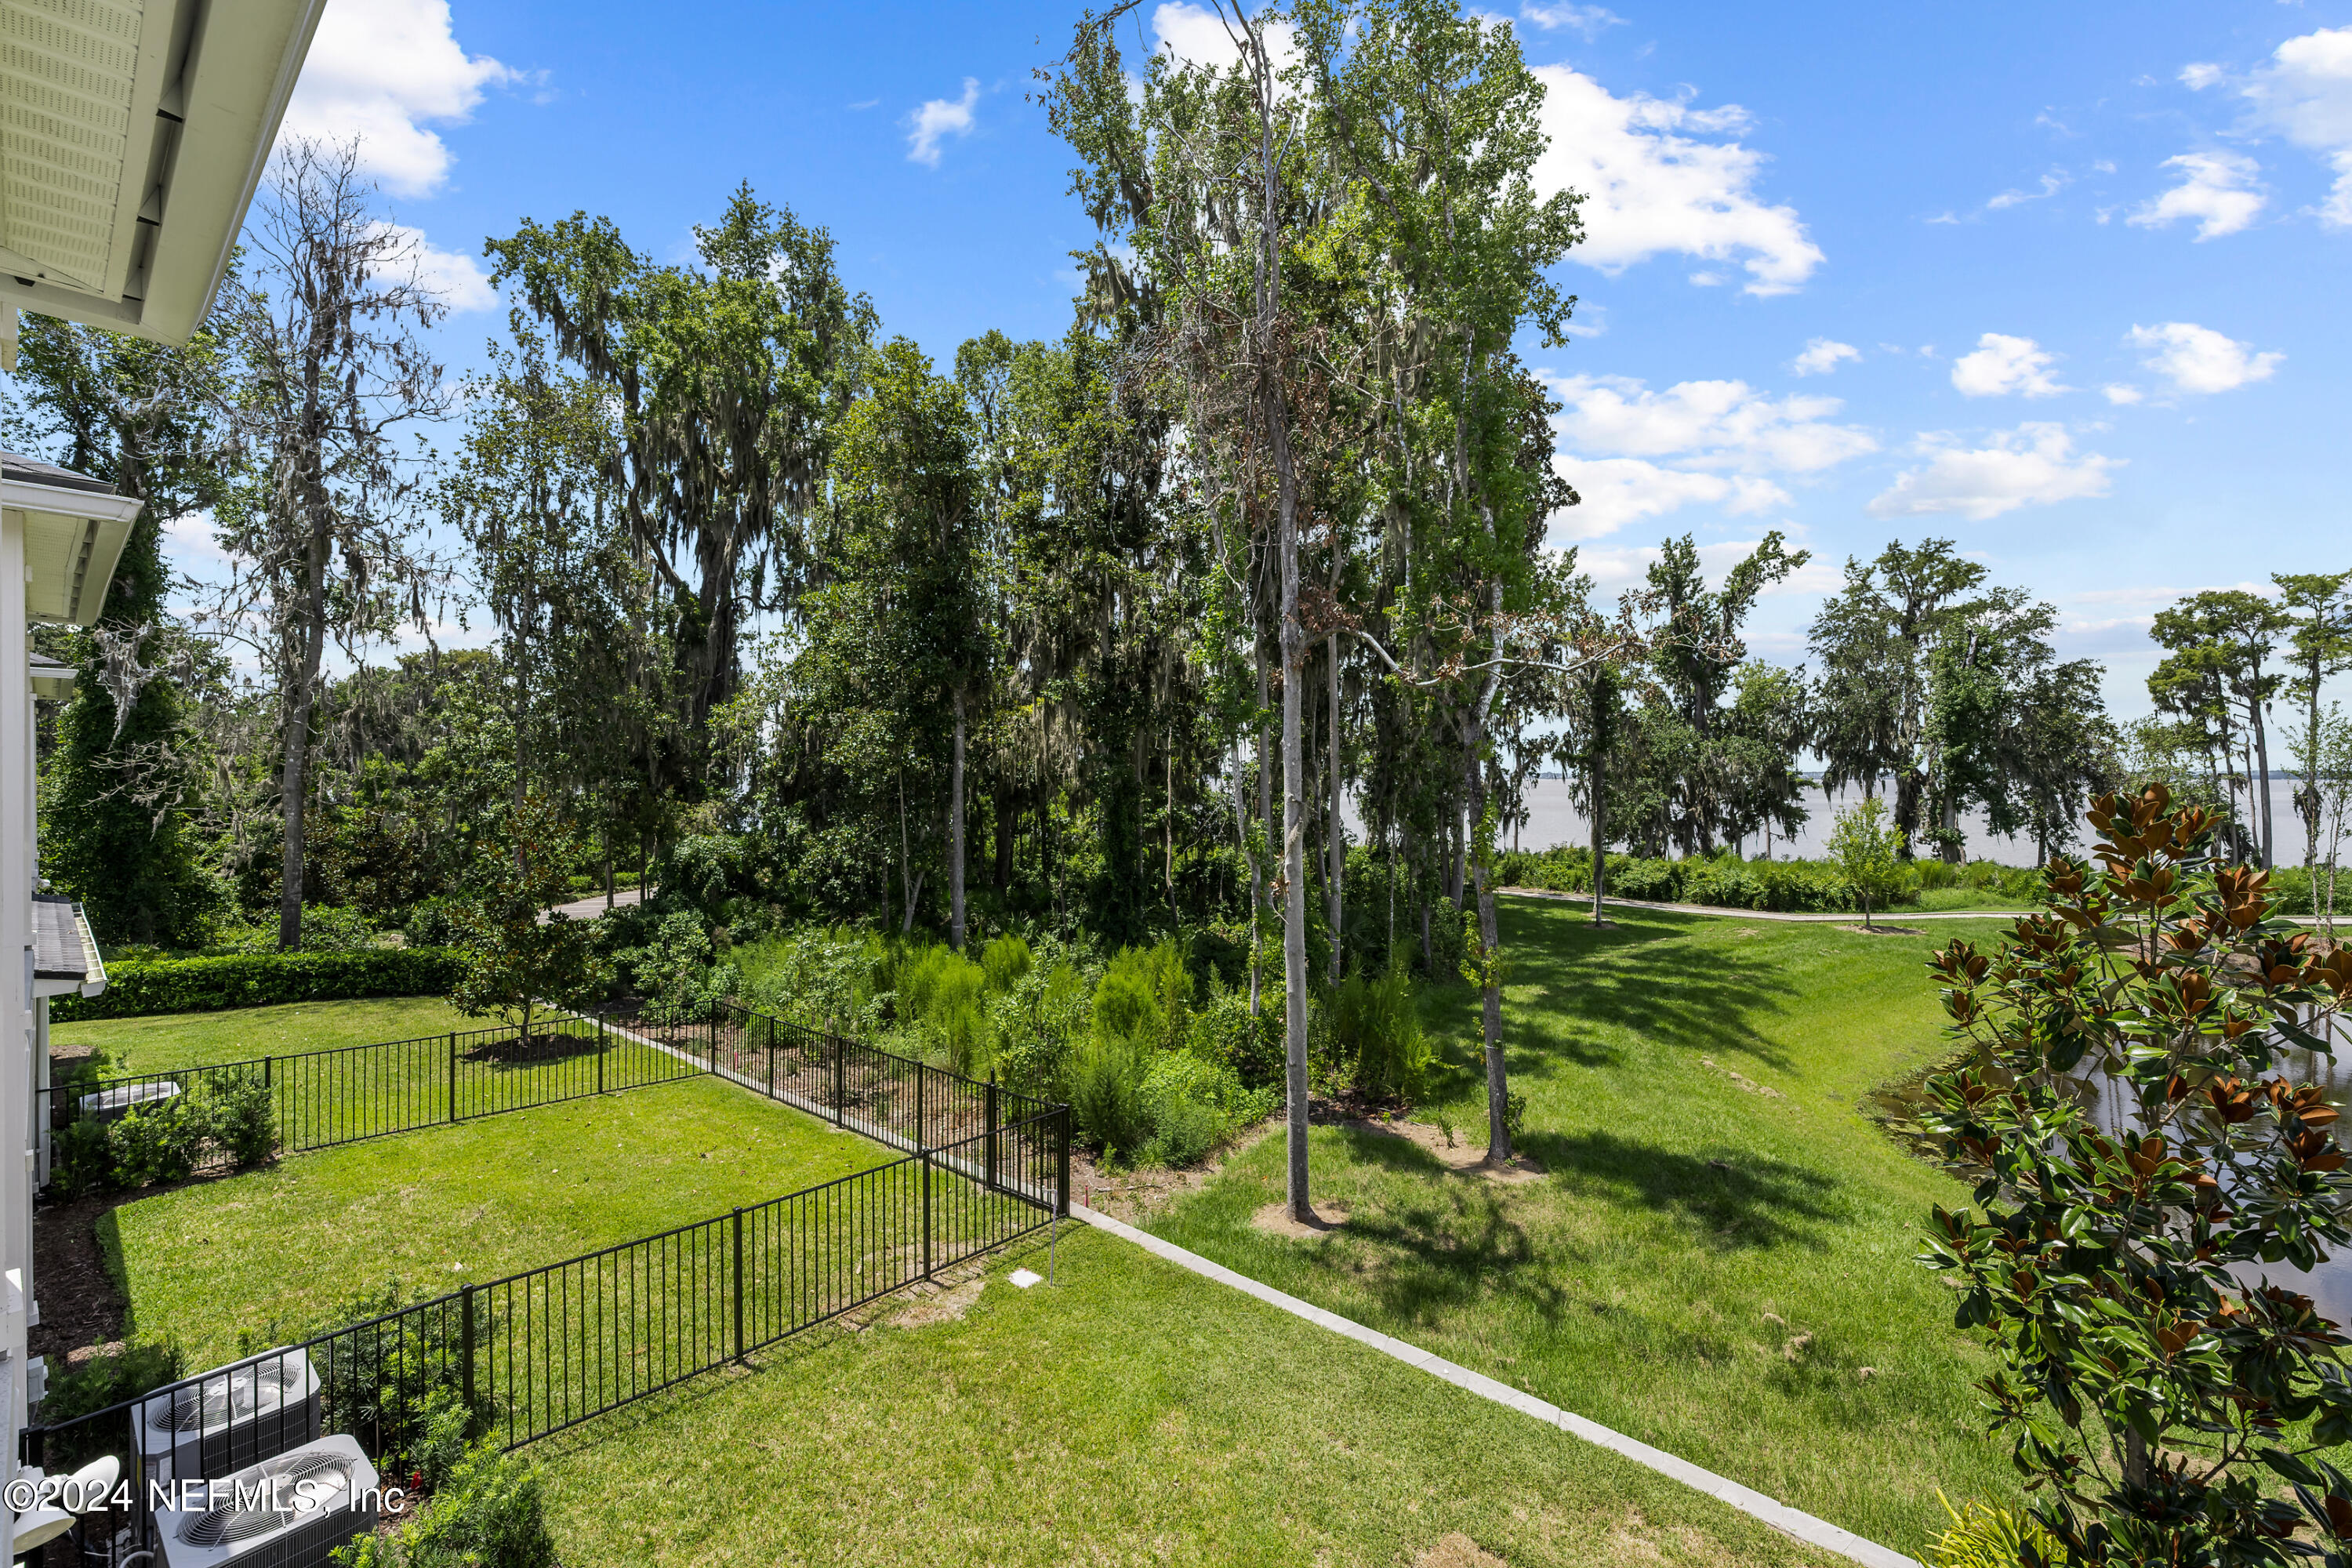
1891	917
1755	1504
588	907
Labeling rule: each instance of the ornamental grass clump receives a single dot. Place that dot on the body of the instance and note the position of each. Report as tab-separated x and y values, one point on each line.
2166	1401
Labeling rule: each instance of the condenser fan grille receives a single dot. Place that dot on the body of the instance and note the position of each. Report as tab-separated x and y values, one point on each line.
276	1481
220	1526
219	1399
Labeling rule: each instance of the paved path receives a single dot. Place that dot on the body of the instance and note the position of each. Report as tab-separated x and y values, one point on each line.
1896	917
1755	1504
588	907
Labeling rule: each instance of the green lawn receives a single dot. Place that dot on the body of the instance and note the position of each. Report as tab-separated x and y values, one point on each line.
199	1040
1134	1413
273	1252
1637	1284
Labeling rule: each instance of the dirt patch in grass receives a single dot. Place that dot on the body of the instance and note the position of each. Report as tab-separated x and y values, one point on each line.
1742	1081
1136	1195
1458	1551
936	1305
1274	1220
1456	1154
1885	930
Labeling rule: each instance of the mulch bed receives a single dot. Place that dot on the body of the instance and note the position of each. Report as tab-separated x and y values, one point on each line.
79	1303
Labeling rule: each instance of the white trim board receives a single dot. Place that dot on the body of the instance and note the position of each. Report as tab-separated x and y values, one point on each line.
1804	1527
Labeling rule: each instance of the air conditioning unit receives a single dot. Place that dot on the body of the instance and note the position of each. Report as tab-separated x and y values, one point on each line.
290	1512
229	1419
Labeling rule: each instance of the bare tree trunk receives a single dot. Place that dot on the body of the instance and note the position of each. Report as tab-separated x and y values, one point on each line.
1294	824
293	778
1241	837
1600	814
1335	835
955	832
2261	782
1167	829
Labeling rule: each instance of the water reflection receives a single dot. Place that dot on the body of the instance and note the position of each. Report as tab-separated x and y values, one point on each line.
2112	1108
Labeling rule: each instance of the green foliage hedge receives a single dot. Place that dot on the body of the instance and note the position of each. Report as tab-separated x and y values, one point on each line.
1787	886
137	989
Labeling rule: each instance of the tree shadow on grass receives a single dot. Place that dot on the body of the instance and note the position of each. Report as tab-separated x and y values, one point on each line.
1727	1199
1634	973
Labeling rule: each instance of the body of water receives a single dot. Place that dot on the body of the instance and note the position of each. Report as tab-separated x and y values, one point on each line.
1552	820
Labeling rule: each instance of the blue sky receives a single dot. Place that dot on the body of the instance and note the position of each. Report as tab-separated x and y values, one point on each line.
2066	284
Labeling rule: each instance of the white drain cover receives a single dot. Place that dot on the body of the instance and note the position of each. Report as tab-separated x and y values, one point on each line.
1024	1278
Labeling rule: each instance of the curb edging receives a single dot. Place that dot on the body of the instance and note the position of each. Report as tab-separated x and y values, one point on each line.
1790	1522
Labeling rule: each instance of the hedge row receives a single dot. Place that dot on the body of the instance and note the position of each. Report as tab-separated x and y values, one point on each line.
1784	887
136	990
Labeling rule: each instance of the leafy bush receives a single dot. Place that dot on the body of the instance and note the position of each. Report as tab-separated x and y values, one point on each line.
831	978
675	972
261	980
1040	1024
1189	1105
942	997
1374	1030
240	1114
81	1159
432	924
1983	1536
1143	995
158	1142
1250	1047
1105	1092
488	1510
142	1366
705	869
1006	959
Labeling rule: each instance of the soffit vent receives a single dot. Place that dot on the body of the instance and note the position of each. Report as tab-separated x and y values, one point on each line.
69	71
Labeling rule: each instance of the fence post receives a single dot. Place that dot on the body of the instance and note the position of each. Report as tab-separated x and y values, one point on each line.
466	1354
992	1129
927	1210
453	1075
922	1139
840	1097
603	1044
738	1282
1062	1163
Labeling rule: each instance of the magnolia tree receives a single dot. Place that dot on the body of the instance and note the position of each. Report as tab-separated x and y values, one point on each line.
524	960
2166	1401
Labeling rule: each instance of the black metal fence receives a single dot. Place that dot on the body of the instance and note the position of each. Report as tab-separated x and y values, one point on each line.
318	1100
538	1351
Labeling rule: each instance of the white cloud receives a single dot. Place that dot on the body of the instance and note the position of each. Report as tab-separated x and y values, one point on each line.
938	118
1651	186
1718	440
2121	394
381	71
2217	190
1821	356
456	277
2305	93
2033	465
1706	425
2002	364
2198	359
1588	20
2055	181
1196	36
1618	491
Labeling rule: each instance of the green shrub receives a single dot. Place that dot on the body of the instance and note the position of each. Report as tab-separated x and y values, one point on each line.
159	1141
1105	1092
142	1366
1983	1536
262	980
675	972
829	978
1250	1047
1188	1105
1374	1029
81	1159
1143	995
942	997
489	1510
1005	960
241	1114
1039	1025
